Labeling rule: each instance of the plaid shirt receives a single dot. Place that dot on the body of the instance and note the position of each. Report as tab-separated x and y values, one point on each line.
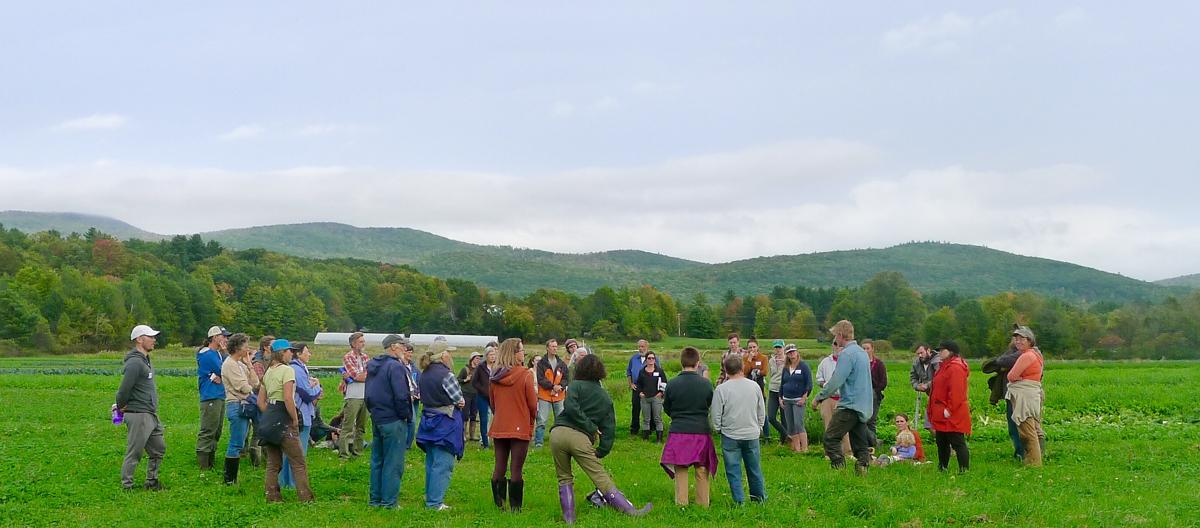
452	389
355	363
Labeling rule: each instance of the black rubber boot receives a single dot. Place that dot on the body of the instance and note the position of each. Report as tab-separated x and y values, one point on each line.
499	492
516	494
658	437
231	469
645	435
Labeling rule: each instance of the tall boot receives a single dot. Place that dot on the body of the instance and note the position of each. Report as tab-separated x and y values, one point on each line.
658	437
646	434
616	500
231	469
471	435
499	492
516	494
566	499
204	460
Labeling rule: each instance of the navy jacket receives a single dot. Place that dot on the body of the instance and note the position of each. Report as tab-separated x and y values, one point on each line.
387	391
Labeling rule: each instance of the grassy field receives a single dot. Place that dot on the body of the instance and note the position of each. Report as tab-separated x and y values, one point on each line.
1124	450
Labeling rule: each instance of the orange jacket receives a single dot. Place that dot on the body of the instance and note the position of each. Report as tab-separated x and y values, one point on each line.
548	377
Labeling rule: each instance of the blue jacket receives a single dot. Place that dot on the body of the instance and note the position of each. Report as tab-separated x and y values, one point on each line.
853	377
440	430
388	391
306	394
797	383
636	363
208	361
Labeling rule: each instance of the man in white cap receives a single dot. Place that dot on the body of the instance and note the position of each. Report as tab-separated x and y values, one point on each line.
137	398
212	395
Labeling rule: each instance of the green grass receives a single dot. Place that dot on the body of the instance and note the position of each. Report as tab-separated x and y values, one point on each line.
1124	440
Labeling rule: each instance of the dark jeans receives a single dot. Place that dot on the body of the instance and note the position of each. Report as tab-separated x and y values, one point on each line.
773	417
635	417
389	444
842	422
872	422
1018	448
739	453
956	441
485	411
510	452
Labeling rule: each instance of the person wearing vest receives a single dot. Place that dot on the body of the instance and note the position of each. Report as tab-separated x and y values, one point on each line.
440	434
552	377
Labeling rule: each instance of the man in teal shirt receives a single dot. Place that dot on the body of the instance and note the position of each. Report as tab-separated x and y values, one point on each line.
853	378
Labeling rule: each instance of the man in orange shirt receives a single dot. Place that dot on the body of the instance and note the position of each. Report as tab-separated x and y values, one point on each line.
552	377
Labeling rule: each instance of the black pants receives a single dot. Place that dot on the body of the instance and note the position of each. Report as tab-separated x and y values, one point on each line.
956	441
847	421
773	417
636	411
871	423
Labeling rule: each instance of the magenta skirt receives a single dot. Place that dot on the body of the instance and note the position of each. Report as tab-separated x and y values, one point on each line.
689	449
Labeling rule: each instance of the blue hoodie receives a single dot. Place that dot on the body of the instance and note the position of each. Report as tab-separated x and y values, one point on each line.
208	361
387	391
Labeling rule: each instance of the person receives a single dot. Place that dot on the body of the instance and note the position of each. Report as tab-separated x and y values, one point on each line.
354	410
212	395
388	396
471	410
440	434
481	381
241	388
903	423
414	380
904	450
949	411
552	376
738	413
686	400
308	391
633	369
533	362
137	399
998	388
754	364
279	427
734	350
852	380
587	416
1024	394
921	379
516	404
262	359
774	379
574	351
826	407
795	386
652	380
878	384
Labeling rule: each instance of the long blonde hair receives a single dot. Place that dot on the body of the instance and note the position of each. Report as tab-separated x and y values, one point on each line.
507	358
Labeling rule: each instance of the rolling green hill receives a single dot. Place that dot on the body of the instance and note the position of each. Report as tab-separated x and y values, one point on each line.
1186	281
970	270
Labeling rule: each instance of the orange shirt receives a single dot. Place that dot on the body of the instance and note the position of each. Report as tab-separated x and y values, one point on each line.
1027	367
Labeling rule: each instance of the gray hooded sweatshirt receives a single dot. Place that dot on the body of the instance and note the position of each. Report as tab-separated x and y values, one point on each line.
137	393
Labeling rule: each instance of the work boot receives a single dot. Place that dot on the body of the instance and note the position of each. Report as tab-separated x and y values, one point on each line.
566	498
658	437
231	469
516	494
499	492
646	434
616	500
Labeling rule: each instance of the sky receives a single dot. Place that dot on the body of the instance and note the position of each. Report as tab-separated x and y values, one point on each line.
713	131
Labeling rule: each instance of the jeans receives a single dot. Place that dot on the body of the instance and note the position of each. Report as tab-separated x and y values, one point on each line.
846	422
773	412
545	408
286	479
1013	433
737	453
438	465
238	429
484	406
389	444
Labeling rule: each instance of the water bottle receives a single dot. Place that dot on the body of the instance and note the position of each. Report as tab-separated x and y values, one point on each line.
117	416
347	379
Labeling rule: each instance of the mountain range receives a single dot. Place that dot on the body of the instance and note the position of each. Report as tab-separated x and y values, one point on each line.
929	266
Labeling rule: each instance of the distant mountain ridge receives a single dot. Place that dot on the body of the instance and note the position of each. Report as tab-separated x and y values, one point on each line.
1185	281
929	266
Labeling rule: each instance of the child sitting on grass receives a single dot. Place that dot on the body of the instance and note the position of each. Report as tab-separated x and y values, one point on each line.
906	444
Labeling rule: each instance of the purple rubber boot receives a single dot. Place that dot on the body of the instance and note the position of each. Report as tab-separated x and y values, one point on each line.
566	498
617	500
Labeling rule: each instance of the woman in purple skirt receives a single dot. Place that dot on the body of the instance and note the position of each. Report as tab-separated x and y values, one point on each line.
689	440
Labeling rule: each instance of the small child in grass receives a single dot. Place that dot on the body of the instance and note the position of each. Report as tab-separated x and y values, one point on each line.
905	449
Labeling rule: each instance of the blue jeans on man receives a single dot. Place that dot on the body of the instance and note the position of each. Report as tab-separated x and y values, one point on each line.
286	480
737	453
439	463
389	444
545	409
238	429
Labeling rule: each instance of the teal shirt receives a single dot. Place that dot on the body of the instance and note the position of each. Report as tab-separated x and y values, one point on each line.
853	376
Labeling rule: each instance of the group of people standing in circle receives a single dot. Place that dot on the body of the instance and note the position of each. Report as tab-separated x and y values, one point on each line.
269	399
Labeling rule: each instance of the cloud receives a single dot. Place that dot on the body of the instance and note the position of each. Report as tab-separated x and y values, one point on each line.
323	129
243	132
601	105
789	197
94	122
562	109
939	34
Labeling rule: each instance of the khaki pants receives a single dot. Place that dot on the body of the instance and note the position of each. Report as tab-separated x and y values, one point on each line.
354	426
145	434
567	444
827	406
212	418
295	456
1029	440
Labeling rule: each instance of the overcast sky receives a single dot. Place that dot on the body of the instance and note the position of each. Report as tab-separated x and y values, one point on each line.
712	131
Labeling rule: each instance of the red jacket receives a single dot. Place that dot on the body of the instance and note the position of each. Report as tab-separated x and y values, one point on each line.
950	393
514	404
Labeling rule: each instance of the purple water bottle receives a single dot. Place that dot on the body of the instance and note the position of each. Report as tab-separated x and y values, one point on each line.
347	379
117	416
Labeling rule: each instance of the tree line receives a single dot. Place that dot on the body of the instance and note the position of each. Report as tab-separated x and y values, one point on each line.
82	292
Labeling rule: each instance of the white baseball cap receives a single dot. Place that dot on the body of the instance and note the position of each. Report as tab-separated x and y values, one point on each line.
218	330
142	330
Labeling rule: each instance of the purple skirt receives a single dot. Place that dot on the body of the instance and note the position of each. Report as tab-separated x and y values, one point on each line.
689	449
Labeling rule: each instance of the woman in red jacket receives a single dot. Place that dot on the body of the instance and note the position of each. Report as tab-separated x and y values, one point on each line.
948	408
515	404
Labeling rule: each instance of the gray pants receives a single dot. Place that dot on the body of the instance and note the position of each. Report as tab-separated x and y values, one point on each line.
652	413
212	418
145	433
793	417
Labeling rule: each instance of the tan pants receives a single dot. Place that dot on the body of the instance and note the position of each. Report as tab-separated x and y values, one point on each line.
681	486
827	406
567	444
354	426
1028	430
290	446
